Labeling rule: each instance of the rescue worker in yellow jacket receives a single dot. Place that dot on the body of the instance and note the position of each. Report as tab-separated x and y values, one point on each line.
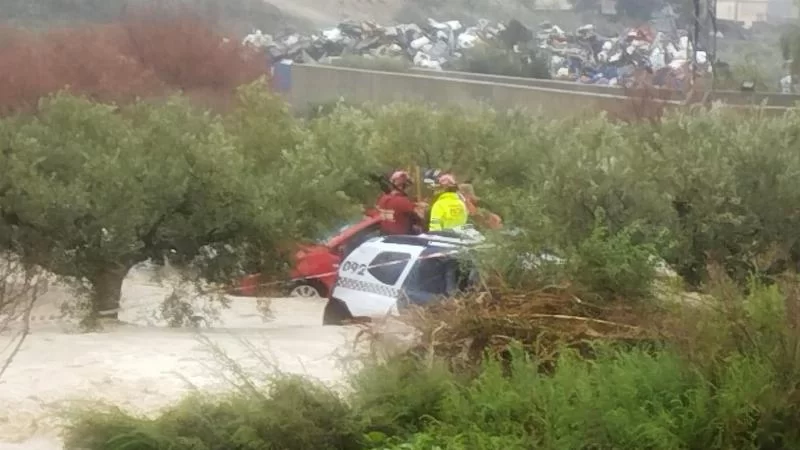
448	209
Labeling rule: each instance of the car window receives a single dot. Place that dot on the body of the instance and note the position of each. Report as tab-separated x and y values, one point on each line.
388	266
439	274
429	276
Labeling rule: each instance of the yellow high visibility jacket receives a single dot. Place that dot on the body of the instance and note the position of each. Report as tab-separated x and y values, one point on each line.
448	211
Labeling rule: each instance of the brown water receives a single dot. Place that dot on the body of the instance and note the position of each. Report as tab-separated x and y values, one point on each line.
144	366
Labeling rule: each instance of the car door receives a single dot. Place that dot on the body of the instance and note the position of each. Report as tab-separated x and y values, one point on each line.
370	277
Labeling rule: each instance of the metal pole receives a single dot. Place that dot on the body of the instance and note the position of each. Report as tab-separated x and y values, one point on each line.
696	39
712	56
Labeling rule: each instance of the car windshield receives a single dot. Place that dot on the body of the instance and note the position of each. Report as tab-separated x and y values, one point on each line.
325	237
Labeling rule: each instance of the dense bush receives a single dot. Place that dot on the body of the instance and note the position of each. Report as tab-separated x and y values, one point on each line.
90	190
704	184
693	187
610	266
291	414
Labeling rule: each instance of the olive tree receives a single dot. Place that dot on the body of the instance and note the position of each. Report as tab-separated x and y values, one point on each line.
90	190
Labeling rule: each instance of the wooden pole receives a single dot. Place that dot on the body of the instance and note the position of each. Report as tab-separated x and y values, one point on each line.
417	183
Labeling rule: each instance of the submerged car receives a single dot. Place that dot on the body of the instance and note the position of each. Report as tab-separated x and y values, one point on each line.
388	273
314	264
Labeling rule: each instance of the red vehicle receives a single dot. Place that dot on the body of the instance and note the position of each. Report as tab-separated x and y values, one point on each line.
315	264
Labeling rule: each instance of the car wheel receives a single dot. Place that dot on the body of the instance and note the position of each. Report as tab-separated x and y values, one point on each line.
306	289
335	313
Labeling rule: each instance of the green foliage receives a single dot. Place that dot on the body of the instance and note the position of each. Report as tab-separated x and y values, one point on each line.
416	396
711	183
610	266
93	189
90	190
291	414
621	399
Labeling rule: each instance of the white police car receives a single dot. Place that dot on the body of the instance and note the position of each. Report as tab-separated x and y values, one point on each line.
387	273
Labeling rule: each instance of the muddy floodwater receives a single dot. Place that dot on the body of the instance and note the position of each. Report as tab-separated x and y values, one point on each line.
143	365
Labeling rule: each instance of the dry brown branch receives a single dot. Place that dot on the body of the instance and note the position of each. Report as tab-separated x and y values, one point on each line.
542	321
585	319
23	334
20	288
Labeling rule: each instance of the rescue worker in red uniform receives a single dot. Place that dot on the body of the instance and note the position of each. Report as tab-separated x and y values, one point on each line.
399	214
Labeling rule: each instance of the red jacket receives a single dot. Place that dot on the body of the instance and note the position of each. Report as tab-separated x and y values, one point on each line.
397	213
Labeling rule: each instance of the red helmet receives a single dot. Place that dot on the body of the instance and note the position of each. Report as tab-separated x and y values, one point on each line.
447	180
400	178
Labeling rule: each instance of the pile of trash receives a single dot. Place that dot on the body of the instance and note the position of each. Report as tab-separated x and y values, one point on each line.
430	46
584	55
587	57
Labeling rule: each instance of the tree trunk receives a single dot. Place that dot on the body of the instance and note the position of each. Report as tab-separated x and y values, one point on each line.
693	271
106	292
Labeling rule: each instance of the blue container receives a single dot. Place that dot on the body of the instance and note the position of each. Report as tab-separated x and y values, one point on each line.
282	76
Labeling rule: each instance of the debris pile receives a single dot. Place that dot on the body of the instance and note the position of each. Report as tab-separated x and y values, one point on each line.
429	46
463	330
583	55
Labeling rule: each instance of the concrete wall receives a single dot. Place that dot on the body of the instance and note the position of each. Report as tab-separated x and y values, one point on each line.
782	10
317	84
747	11
312	85
750	11
728	97
547	84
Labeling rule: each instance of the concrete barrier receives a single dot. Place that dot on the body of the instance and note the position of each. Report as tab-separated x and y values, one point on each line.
727	97
547	84
319	84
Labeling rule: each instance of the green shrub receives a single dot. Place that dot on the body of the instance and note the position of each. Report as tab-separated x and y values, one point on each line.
90	190
717	182
623	399
415	395
614	266
292	414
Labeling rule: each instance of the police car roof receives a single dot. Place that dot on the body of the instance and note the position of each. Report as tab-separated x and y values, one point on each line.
445	233
416	240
